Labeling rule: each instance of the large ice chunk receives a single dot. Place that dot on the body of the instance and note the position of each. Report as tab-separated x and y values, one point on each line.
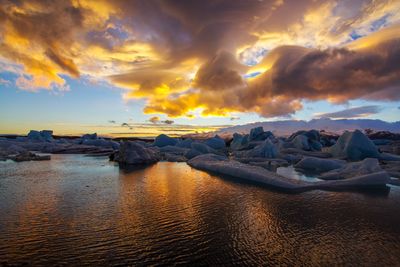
134	153
354	146
216	142
319	164
353	169
42	136
164	140
221	165
265	150
239	141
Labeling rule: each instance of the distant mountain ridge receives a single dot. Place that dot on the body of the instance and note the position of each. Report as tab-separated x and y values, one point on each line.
286	127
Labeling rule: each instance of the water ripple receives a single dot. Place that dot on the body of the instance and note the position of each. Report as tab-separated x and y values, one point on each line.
75	210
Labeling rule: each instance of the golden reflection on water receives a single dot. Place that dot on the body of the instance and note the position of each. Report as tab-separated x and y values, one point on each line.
86	211
169	188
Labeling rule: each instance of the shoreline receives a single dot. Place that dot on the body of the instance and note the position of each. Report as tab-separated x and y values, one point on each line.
349	161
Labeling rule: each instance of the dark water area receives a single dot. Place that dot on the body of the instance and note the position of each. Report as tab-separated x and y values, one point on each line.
76	210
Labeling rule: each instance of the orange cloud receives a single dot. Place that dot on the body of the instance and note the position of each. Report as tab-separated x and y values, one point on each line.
190	58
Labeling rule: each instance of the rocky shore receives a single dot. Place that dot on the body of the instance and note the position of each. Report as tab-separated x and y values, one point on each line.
351	160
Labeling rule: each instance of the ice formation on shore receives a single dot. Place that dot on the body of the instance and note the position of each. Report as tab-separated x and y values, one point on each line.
353	161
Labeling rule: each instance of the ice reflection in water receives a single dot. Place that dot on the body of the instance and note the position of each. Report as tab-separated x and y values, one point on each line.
86	211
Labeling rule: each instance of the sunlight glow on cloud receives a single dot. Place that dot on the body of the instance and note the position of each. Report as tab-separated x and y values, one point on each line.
208	58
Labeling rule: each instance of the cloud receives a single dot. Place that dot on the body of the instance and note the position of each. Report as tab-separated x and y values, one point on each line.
223	72
34	83
169	122
157	119
209	58
336	74
356	112
5	82
64	63
39	35
154	119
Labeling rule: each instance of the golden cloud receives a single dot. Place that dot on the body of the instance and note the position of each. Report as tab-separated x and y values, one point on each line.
189	58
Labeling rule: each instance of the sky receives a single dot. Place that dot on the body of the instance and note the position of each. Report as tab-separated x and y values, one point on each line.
140	68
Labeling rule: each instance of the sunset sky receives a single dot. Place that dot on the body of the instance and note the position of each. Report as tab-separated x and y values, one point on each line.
178	66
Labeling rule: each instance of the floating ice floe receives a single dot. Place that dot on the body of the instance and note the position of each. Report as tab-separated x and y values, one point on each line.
40	136
353	169
221	165
319	164
216	142
29	156
239	141
136	154
256	137
173	153
92	136
164	140
354	146
200	149
264	150
101	143
186	143
304	140
258	134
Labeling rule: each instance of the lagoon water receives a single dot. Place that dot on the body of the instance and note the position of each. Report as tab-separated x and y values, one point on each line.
77	210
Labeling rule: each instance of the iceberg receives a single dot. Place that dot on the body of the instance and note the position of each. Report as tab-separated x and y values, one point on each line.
164	140
186	143
200	149
223	166
216	142
258	134
265	150
134	153
239	141
354	146
40	136
353	169
319	164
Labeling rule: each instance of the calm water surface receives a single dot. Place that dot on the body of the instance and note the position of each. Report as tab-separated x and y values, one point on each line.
76	210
